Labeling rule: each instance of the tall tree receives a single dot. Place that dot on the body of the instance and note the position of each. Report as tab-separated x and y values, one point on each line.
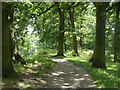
116	34
7	67
99	52
61	32
71	14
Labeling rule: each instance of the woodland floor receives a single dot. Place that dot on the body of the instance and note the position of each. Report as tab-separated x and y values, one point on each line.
63	75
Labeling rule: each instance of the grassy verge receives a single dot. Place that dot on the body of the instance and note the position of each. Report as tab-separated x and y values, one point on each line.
36	66
103	78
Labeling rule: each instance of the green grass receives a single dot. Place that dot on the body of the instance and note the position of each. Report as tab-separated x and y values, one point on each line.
103	78
22	70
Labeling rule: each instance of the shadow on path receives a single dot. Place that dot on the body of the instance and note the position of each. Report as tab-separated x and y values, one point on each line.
65	75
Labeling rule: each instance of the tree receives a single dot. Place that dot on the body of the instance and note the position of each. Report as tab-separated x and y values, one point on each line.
71	14
13	45
99	52
116	33
7	67
61	32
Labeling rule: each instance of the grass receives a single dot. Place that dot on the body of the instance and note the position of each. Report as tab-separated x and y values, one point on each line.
103	78
37	63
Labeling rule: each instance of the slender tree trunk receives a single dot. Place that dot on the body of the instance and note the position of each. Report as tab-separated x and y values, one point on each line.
61	33
99	54
116	36
71	14
7	67
81	40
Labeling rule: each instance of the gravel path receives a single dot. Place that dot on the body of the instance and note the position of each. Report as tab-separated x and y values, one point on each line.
66	75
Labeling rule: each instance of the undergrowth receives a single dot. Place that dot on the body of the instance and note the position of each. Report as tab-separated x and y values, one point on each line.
36	66
103	78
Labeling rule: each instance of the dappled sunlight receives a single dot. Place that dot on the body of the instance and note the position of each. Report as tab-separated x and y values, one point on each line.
66	75
103	78
23	85
86	52
63	75
58	73
57	59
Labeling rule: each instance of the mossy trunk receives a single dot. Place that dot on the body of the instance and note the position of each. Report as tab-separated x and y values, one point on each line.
99	54
7	67
14	49
71	14
116	34
61	33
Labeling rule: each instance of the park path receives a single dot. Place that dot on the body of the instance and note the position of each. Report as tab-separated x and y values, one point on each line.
63	75
66	75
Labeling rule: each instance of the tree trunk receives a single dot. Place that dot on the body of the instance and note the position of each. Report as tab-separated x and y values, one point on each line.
61	33
116	36
65	46
71	14
7	67
99	54
81	40
13	46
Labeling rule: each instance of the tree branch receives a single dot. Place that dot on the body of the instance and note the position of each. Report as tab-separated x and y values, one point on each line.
45	10
73	5
110	8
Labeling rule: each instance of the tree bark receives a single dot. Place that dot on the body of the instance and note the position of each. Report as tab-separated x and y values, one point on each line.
99	54
61	33
13	46
81	40
71	14
116	36
7	67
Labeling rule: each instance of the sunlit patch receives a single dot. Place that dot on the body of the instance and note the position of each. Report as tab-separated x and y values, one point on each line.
87	52
66	86
86	75
79	79
23	85
91	86
59	60
56	74
76	74
31	71
43	81
71	72
61	72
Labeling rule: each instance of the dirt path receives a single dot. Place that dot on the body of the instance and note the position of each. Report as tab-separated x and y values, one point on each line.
64	75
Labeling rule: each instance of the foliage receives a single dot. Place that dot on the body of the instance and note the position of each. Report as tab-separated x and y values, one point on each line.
37	42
